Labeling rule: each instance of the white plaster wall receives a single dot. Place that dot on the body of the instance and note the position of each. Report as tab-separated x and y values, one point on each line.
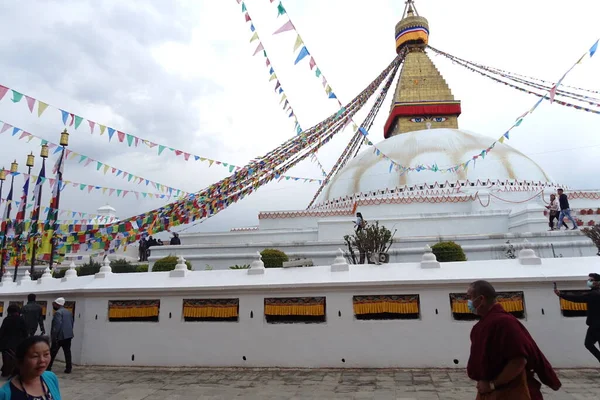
405	249
249	237
436	340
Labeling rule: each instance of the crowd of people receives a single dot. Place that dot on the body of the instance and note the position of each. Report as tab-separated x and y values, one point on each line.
146	243
27	358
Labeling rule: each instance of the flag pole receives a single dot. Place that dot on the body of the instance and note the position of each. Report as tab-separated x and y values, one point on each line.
35	213
64	142
14	167
20	220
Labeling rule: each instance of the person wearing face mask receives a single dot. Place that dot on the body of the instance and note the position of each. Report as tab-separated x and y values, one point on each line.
592	299
504	357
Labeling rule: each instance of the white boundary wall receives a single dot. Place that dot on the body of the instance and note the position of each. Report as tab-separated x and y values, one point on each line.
435	340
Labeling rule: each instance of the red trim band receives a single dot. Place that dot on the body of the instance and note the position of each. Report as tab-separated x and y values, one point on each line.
419	110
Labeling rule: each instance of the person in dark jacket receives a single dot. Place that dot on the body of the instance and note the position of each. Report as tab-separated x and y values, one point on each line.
592	299
175	239
12	332
33	316
61	333
565	209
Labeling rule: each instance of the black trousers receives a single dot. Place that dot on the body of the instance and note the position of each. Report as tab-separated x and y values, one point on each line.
591	338
66	346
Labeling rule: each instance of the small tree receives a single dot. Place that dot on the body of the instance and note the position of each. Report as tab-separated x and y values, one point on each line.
368	242
594	234
448	251
273	258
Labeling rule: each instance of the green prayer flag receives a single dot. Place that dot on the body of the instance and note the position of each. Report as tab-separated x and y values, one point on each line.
318	72
129	140
16	96
98	166
161	148
280	9
78	120
243	7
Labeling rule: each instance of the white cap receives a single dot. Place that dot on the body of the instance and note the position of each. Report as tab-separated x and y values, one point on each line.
60	301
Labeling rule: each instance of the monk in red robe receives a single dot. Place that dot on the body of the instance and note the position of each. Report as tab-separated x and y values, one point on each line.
504	357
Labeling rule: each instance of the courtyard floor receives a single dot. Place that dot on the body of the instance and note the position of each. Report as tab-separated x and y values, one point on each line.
95	383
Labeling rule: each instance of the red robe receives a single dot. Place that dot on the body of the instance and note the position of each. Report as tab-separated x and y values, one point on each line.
498	338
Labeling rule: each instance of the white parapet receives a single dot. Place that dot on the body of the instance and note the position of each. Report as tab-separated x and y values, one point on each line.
46	276
258	266
527	256
71	272
180	269
7	278
429	260
340	263
25	278
105	270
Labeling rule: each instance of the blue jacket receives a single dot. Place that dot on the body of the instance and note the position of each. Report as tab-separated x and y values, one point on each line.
49	379
62	325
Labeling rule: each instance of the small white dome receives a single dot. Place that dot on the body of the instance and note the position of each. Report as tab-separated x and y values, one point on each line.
445	147
105	209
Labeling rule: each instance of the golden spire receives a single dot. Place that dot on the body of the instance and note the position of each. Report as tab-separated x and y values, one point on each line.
422	99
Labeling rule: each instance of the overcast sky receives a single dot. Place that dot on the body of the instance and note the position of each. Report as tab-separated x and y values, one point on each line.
182	73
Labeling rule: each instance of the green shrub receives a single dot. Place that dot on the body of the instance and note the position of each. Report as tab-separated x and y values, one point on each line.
168	264
244	266
89	268
141	268
448	251
122	266
273	258
56	273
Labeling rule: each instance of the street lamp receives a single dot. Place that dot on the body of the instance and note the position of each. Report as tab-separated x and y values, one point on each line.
64	142
35	214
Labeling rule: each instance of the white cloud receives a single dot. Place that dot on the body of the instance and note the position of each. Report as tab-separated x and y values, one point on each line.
182	73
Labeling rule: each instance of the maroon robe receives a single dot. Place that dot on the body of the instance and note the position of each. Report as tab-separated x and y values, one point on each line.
498	338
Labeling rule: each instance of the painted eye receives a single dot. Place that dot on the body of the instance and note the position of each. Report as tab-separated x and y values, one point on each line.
439	119
418	120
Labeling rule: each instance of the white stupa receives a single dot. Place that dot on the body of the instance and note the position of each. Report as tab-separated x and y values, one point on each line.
499	198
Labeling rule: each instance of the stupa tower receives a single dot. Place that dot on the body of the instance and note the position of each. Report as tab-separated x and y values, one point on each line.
422	99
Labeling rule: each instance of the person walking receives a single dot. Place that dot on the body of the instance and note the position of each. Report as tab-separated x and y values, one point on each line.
565	210
32	381
554	211
592	299
504	356
12	332
359	223
61	333
33	316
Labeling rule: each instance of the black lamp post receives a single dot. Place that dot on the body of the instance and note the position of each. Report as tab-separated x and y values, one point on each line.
35	214
64	142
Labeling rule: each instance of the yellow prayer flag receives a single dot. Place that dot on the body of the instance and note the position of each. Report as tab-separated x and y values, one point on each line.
298	43
272	77
102	129
106	167
41	108
254	37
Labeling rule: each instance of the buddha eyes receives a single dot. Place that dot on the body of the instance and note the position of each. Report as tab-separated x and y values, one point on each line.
420	120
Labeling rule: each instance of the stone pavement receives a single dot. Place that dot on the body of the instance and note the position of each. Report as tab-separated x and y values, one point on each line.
95	383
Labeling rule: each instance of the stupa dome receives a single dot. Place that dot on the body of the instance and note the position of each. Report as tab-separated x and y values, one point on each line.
369	172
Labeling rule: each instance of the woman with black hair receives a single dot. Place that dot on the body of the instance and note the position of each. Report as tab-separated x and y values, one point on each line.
32	381
360	222
12	332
